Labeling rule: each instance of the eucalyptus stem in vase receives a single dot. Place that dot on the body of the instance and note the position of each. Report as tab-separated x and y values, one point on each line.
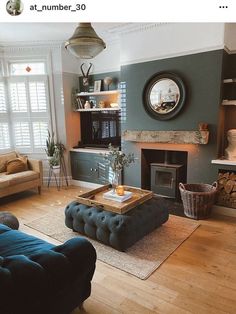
117	160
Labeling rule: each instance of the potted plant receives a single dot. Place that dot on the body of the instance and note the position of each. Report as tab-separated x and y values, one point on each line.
117	160
60	149
50	145
54	161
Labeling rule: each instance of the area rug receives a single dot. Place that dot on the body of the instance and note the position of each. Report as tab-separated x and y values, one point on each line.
140	260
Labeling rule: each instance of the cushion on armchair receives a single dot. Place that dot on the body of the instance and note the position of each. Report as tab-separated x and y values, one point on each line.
39	277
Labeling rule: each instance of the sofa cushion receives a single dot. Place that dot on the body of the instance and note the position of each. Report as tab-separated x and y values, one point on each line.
17	165
14	242
4	158
7	180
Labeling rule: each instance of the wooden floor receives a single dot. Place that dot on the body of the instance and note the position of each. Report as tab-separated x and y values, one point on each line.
199	277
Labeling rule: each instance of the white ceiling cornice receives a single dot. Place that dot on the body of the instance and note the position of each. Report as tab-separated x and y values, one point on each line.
21	46
110	32
127	28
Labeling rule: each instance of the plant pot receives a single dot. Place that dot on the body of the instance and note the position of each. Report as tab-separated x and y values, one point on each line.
56	169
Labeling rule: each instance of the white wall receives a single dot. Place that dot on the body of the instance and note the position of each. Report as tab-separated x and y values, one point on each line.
171	39
108	60
69	63
155	41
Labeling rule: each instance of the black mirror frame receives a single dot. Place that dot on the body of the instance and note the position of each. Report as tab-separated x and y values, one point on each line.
146	95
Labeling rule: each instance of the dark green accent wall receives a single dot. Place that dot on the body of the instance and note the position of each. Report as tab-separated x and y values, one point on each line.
202	75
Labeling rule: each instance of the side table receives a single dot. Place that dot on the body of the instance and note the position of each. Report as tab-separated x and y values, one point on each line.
59	173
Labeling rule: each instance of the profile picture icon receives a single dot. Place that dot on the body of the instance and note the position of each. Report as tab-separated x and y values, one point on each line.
14	7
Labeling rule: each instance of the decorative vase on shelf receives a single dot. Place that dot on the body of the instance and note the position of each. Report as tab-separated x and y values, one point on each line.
87	105
115	179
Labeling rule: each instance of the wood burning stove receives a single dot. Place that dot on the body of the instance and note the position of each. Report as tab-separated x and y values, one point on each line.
162	170
165	179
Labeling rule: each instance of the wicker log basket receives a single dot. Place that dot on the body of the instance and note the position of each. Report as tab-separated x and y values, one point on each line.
198	199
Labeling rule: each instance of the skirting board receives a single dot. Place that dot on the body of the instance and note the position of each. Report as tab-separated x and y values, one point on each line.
53	181
226	211
221	210
85	184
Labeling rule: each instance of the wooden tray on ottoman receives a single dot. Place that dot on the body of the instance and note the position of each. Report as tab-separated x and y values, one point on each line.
95	198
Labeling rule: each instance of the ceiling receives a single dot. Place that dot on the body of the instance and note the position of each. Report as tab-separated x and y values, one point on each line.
11	33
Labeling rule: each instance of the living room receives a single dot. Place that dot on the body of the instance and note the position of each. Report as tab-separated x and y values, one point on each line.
197	275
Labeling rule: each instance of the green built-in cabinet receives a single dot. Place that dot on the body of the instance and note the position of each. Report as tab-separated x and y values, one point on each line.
89	167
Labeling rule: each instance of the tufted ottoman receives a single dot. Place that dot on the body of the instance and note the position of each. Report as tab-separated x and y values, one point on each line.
119	231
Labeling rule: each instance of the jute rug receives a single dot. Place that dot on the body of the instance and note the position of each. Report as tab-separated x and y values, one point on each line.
142	259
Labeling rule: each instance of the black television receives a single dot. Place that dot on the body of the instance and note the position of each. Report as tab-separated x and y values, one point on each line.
100	128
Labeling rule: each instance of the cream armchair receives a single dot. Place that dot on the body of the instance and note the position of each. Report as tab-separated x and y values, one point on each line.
21	181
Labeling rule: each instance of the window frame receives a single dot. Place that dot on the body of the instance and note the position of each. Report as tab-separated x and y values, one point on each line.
31	116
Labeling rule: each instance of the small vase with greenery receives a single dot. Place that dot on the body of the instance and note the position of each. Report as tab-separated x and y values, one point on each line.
117	160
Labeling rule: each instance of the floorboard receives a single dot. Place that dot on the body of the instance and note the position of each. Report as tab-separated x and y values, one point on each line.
199	277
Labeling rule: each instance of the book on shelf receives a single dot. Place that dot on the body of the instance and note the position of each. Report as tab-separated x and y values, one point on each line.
80	103
111	195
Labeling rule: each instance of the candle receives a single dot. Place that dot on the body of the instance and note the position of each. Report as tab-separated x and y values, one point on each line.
120	190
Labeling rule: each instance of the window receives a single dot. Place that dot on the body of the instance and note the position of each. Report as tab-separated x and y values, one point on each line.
31	68
24	111
4	122
4	135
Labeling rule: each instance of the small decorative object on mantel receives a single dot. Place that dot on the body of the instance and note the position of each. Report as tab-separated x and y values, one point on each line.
87	105
230	152
85	75
107	81
114	105
102	104
117	160
97	86
203	126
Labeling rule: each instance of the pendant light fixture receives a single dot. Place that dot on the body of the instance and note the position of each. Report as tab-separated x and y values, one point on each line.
85	43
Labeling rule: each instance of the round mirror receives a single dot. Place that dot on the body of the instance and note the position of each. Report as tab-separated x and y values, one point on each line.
164	96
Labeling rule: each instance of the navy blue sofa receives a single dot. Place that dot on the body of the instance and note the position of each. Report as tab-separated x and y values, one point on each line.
39	277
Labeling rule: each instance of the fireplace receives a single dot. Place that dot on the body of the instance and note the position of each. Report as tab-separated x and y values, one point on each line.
162	170
165	179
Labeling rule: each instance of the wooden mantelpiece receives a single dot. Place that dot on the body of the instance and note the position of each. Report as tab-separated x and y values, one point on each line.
173	137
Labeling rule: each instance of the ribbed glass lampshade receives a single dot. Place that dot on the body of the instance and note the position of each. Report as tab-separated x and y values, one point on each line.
85	43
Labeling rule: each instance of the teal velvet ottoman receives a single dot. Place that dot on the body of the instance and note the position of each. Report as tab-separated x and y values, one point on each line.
119	231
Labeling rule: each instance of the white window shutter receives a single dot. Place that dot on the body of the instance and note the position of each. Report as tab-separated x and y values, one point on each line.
40	132
4	136
3	106
18	97
38	97
22	134
29	112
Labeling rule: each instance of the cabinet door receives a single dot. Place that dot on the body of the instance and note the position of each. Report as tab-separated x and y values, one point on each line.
101	170
82	166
